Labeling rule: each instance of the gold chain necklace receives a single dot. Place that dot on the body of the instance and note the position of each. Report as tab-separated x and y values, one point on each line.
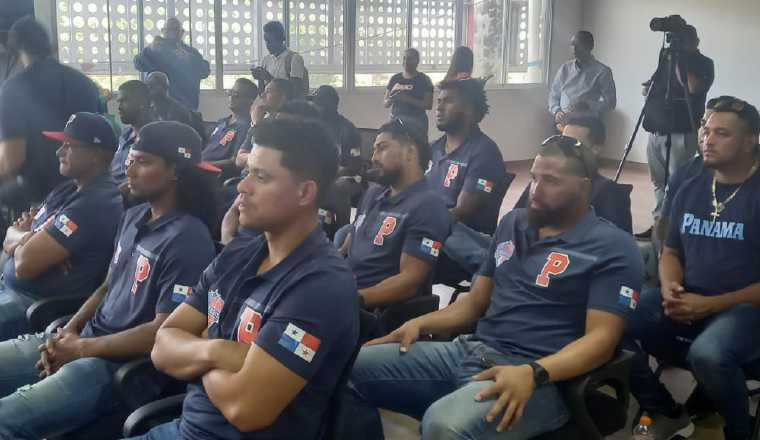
718	207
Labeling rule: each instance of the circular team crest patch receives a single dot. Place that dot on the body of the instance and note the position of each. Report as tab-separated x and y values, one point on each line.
504	252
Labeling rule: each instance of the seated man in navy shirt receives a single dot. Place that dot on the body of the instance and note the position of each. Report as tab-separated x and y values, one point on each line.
707	308
273	321
467	171
401	224
550	304
688	170
49	386
63	248
134	111
230	131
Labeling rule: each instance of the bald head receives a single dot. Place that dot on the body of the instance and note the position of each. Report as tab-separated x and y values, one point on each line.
173	29
158	84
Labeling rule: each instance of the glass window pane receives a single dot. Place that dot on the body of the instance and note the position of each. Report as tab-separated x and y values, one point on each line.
381	38
434	35
316	32
484	34
89	32
527	42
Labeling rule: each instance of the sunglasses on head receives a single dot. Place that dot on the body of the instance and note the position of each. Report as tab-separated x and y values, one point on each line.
570	147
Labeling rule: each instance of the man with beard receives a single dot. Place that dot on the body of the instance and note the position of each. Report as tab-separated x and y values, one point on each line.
549	304
401	224
706	309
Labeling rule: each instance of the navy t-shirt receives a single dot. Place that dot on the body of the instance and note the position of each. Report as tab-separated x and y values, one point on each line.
42	98
118	164
84	223
717	256
415	222
155	265
226	139
417	87
690	169
304	312
477	166
543	288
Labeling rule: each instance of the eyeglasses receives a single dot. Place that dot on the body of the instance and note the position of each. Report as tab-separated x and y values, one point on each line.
233	93
570	147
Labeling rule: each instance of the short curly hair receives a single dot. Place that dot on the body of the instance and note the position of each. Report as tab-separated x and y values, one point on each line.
471	91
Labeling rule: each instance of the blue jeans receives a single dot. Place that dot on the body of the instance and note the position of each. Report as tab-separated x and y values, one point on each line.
715	349
30	408
13	307
433	383
467	247
167	431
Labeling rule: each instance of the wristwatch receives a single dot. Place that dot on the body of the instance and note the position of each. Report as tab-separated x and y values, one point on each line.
540	375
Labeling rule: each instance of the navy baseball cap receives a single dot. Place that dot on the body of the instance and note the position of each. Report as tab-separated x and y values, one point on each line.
86	129
175	142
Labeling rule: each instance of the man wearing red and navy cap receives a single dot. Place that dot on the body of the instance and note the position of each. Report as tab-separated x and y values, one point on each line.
401	223
62	247
162	246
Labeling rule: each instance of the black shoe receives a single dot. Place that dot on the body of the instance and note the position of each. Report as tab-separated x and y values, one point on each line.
645	235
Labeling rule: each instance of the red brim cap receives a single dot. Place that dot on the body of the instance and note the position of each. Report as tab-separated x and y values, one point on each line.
208	167
61	136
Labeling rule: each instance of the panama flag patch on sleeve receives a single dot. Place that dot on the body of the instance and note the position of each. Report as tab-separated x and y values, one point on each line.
65	225
430	246
180	292
485	185
628	297
299	342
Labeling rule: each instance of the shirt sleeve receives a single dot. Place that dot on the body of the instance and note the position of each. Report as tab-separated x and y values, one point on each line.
429	227
555	92
616	280
673	235
181	267
392	82
297	68
608	91
143	61
198	296
77	227
488	268
13	116
485	173
305	333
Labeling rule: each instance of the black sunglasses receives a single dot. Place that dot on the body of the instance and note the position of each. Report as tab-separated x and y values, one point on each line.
570	147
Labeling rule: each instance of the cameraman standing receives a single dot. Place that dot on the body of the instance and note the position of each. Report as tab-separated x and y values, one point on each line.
661	118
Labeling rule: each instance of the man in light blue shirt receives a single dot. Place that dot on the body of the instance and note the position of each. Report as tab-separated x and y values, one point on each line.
583	83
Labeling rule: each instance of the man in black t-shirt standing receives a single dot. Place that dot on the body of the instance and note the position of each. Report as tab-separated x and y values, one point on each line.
410	93
40	98
707	308
661	119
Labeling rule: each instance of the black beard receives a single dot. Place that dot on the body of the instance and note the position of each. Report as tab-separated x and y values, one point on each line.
382	177
450	126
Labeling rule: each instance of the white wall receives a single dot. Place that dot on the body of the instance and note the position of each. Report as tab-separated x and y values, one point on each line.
518	120
730	35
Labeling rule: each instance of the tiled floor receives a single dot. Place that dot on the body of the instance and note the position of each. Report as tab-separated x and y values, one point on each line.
399	427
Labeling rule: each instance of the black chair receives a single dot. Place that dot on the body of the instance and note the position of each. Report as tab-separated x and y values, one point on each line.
165	410
43	312
595	414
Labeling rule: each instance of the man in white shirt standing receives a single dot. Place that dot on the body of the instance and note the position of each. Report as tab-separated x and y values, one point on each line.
281	62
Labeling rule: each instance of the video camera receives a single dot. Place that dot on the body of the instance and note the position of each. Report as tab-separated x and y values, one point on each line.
675	28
